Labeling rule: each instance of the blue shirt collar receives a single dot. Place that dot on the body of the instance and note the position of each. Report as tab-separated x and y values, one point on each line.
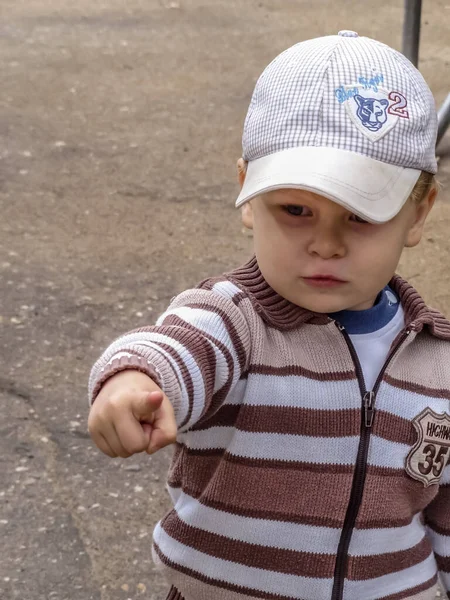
371	319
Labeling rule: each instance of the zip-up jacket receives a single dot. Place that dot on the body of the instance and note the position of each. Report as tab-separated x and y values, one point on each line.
290	480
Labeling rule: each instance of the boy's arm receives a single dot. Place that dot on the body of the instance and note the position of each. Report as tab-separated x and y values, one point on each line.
195	353
437	519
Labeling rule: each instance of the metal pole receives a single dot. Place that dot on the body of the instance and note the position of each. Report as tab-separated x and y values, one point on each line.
443	119
410	48
411	30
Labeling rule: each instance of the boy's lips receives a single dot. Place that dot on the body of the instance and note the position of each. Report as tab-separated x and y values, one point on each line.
323	280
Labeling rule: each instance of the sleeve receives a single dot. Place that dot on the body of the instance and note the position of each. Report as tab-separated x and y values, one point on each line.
196	353
437	519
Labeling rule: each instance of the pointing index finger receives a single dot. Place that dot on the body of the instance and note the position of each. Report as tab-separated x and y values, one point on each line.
145	404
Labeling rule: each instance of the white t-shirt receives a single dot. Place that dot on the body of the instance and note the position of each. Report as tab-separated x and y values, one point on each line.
372	332
373	348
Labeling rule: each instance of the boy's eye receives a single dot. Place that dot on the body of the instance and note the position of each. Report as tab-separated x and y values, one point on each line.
358	219
296	211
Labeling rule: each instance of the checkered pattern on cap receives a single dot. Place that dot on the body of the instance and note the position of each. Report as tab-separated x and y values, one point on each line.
294	103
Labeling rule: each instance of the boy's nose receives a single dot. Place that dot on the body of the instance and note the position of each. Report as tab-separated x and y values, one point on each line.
326	244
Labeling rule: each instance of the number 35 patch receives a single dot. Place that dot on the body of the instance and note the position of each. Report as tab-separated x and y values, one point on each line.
430	454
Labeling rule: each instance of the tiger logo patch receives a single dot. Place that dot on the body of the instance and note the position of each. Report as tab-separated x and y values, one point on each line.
371	112
374	109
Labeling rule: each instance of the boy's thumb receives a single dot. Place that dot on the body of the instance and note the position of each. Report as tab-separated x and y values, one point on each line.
146	404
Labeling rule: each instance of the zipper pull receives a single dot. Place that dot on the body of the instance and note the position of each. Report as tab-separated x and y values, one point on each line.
339	326
369	408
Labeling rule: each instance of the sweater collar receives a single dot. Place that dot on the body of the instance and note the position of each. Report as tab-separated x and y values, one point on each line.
282	314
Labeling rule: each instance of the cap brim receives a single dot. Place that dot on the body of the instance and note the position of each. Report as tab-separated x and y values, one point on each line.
374	190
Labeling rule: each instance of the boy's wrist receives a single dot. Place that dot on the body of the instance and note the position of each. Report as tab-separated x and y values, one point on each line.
130	367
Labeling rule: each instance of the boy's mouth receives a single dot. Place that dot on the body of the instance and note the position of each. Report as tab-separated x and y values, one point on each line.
323	281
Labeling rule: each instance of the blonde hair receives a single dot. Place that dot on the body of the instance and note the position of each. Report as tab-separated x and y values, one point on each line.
425	183
242	166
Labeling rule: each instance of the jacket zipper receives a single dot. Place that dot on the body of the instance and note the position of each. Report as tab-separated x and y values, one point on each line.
359	476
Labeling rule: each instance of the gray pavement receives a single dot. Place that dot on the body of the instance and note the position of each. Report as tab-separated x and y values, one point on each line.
120	126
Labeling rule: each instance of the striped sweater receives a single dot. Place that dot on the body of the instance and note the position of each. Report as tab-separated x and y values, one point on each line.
290	480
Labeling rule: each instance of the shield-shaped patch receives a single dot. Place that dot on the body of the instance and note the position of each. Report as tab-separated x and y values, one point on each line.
372	112
428	457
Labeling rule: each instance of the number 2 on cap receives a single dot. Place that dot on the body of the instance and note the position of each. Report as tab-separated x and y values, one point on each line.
398	108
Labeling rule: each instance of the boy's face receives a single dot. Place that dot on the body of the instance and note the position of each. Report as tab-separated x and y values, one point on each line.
322	257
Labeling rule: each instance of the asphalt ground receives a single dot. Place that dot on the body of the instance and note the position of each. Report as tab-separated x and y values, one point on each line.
120	125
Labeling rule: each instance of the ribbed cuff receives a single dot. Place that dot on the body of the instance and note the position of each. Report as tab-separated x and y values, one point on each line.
116	365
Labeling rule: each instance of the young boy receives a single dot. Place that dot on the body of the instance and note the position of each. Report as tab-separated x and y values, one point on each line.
307	391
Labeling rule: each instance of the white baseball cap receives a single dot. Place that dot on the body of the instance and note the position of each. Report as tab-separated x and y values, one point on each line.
346	117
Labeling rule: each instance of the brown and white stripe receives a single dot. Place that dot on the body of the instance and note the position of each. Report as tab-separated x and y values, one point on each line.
298	576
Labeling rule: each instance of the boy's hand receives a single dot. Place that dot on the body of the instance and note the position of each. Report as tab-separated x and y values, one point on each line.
131	414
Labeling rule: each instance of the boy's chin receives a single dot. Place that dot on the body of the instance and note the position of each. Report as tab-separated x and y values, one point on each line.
322	304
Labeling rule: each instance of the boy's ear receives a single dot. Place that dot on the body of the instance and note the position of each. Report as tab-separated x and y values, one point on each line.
247	215
242	171
247	209
421	213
